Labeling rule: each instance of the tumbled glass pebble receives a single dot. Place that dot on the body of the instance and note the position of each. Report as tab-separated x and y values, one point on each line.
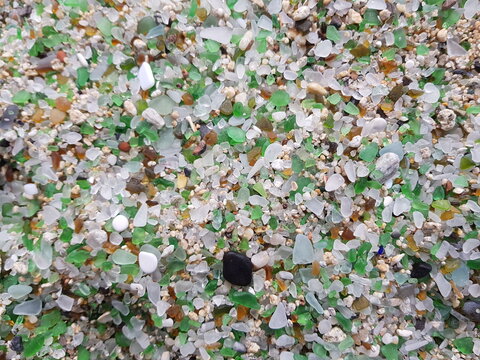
30	189
122	257
187	99
146	24
163	105
361	303
245	299
211	138
226	108
37	117
451	265
279	318
400	38
65	302
19	291
30	307
280	98
156	31
237	268
264	124
360	51
302	250
303	25
236	135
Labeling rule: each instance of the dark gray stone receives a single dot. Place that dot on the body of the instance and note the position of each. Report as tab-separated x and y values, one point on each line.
9	116
17	344
471	309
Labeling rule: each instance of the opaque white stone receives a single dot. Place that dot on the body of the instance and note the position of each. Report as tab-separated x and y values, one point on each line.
145	76
148	262
120	223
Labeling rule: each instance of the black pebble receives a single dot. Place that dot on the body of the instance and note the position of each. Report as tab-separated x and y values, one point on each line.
16	344
476	65
420	270
462	72
4	143
471	309
237	268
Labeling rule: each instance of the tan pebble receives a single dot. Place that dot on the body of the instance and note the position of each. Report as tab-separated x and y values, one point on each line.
401	8
301	13
317	89
253	348
229	92
396	259
385	14
442	35
248	234
139	44
354	17
130	107
383	267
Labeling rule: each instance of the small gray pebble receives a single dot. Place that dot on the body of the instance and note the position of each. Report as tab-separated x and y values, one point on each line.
239	347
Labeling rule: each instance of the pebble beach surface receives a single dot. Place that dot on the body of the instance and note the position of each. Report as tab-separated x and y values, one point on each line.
239	179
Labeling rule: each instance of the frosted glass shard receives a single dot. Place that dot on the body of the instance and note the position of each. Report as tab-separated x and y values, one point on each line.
279	318
219	34
302	250
19	291
30	307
